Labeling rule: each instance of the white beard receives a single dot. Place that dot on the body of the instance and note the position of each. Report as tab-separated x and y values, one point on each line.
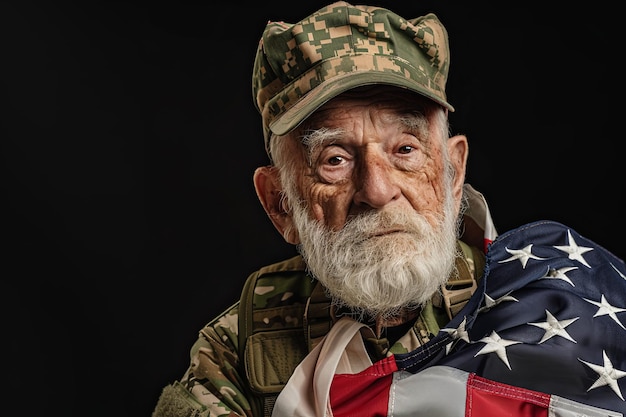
380	275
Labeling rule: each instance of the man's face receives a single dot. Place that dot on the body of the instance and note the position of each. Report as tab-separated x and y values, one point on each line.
372	200
371	151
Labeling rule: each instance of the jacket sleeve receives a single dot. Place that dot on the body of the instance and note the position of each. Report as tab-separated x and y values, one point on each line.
212	385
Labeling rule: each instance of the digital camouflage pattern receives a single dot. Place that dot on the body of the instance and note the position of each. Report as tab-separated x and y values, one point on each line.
215	383
298	67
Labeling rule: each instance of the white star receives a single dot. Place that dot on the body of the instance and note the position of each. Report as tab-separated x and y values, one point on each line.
575	251
494	343
554	327
490	302
607	375
458	333
522	254
560	274
607	309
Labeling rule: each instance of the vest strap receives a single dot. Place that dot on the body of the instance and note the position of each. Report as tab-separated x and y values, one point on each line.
317	316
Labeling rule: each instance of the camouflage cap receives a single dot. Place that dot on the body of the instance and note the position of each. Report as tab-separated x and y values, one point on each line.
299	67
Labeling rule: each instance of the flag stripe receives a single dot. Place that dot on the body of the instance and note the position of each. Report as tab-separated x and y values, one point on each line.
487	398
375	380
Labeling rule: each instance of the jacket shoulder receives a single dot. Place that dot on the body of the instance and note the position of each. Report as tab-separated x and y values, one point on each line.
275	295
295	263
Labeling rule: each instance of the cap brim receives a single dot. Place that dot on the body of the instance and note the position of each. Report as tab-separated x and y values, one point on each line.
331	88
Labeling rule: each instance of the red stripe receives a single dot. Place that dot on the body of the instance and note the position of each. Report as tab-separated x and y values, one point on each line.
351	394
486	398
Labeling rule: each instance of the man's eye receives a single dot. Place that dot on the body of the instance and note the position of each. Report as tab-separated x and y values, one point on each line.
405	149
335	160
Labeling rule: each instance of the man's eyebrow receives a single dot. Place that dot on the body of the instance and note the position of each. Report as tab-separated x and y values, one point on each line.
414	120
314	139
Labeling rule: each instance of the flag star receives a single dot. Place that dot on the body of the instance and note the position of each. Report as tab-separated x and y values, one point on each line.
554	327
491	303
560	274
522	254
575	252
607	375
607	309
494	343
618	271
458	333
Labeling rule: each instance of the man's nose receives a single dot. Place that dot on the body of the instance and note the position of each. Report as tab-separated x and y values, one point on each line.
375	185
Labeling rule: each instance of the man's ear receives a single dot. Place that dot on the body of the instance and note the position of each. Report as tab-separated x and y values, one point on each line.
458	151
269	192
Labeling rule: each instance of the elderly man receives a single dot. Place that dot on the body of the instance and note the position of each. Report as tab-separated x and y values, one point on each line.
403	299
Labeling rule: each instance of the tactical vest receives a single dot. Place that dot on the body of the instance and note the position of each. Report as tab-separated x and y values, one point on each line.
270	352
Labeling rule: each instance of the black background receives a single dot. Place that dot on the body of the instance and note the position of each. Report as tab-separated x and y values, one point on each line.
129	139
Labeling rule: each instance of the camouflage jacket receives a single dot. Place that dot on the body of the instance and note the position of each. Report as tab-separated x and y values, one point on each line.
243	358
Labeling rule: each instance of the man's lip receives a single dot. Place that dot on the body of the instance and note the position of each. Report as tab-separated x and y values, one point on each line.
388	232
380	234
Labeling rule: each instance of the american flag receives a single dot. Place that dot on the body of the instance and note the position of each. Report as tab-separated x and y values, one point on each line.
543	336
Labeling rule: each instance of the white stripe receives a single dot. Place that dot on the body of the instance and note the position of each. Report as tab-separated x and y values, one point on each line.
562	407
439	391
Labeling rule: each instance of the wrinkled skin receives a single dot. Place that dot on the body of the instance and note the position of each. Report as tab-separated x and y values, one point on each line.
375	164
